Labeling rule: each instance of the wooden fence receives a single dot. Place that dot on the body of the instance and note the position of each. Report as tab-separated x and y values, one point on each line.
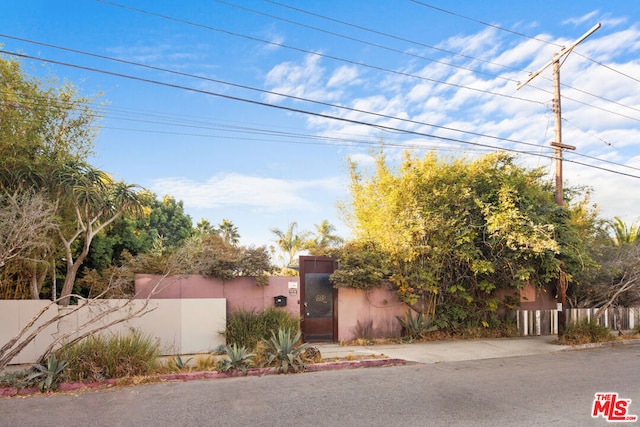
545	322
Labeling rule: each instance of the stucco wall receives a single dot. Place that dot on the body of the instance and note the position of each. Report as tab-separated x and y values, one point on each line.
361	314
240	293
368	314
181	326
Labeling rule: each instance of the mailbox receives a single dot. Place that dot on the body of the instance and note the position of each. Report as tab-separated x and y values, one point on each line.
280	301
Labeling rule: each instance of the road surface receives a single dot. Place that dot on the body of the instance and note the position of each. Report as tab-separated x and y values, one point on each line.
543	390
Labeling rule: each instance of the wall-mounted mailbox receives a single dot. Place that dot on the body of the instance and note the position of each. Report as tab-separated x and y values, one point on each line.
280	301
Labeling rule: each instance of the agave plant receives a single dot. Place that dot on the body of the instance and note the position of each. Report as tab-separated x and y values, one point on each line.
285	351
238	358
48	376
179	363
416	327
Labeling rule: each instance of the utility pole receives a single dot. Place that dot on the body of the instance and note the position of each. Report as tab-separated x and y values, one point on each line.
558	147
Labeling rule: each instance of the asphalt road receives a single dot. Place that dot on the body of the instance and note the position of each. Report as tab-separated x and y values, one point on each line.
542	390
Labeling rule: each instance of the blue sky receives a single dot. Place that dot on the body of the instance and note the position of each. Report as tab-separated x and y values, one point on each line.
210	126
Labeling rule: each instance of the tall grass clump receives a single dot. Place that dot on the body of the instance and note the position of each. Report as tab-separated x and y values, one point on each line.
248	328
584	332
101	357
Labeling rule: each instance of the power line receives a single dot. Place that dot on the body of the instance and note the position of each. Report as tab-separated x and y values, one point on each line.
373	31
608	67
443	50
255	102
301	111
322	55
365	42
362	64
497	27
326	104
270	92
521	35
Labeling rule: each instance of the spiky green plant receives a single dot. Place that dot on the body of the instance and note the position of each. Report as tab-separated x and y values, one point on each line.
177	364
48	376
416	327
284	351
238	359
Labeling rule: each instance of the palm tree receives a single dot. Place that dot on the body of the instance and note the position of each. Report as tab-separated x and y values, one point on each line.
290	243
324	238
229	232
204	227
94	201
623	232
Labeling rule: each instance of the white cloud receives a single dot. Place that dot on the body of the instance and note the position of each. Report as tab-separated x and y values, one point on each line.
302	80
263	193
344	75
581	19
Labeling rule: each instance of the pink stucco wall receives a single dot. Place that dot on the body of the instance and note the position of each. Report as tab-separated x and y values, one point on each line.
240	293
368	314
361	314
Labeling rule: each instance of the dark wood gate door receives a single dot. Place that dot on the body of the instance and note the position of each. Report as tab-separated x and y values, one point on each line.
319	308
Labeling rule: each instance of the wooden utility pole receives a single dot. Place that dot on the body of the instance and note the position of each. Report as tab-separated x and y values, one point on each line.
558	146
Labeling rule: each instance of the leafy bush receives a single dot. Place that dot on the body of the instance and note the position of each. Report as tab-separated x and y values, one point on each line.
284	351
248	328
238	358
110	356
586	331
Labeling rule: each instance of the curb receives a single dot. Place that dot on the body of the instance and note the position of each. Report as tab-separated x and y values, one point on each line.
188	376
604	344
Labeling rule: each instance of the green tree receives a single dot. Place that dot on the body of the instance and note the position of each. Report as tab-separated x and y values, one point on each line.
45	127
89	200
137	234
453	231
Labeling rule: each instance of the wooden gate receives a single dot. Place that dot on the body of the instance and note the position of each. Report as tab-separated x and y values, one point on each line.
319	309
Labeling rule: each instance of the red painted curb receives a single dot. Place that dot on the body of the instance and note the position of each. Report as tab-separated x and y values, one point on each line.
187	376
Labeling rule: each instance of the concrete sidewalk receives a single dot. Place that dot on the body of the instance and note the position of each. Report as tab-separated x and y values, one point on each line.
449	351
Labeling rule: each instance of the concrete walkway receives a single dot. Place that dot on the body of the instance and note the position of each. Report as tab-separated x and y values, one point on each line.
449	351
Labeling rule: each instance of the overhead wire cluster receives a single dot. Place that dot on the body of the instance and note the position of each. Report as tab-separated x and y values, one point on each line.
329	111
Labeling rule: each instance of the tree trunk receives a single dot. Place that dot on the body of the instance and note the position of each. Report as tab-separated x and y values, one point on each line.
33	282
69	280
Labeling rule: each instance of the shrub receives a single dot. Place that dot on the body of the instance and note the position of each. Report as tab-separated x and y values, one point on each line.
586	331
110	356
248	328
238	359
17	379
284	351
